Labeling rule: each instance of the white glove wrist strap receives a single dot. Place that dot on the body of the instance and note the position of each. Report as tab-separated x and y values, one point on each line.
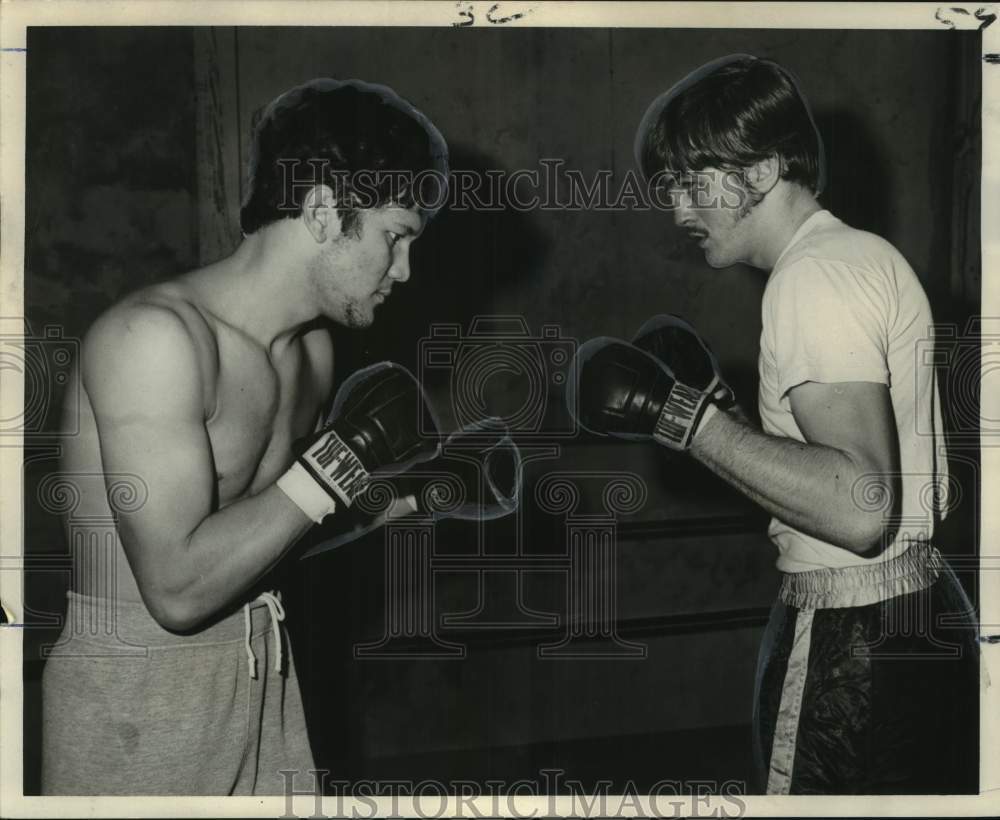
679	417
307	495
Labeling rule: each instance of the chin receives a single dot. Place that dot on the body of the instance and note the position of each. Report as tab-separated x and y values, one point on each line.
718	261
358	319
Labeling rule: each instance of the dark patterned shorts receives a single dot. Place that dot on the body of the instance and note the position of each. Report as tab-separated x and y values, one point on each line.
868	682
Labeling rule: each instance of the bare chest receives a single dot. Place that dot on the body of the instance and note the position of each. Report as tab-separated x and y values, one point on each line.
261	408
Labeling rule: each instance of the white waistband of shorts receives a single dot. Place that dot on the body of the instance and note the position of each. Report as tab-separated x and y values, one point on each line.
863	584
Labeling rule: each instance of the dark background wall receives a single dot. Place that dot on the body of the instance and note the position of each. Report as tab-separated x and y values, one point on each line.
121	193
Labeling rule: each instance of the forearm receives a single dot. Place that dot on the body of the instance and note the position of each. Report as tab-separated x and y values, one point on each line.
222	558
811	487
233	548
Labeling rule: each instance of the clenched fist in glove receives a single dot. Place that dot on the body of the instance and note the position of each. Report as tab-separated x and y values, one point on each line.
378	425
619	390
680	347
477	477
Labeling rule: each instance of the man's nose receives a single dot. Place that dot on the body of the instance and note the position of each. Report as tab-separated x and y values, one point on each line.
400	269
682	208
682	214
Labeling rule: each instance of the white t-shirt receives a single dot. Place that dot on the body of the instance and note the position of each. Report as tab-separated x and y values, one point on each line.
842	305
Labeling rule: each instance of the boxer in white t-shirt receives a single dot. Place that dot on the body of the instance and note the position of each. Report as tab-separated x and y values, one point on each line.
862	686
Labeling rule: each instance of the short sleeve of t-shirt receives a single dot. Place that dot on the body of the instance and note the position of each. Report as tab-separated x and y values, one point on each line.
830	324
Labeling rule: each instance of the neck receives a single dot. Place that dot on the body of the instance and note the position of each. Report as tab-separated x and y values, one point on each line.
780	214
259	289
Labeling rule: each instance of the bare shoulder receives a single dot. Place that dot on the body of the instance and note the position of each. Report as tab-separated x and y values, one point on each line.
153	340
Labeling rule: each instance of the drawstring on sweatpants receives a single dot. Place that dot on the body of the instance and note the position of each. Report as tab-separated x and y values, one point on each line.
277	613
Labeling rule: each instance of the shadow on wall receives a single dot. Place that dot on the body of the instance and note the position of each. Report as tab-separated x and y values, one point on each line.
464	259
858	186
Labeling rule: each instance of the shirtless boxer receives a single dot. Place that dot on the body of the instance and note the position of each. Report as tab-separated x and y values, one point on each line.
195	390
862	685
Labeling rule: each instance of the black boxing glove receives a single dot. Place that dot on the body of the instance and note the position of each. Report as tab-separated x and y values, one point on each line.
477	477
681	348
616	389
380	422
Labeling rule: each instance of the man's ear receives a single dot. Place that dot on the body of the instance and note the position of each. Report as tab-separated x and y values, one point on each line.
764	175
320	215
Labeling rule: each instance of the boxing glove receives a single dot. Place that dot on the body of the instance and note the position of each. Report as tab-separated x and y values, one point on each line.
680	347
380	423
477	477
616	389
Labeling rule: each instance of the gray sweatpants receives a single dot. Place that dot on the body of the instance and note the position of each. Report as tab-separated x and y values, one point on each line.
130	708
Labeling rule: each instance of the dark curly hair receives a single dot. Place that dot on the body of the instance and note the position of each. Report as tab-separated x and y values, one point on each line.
730	114
365	142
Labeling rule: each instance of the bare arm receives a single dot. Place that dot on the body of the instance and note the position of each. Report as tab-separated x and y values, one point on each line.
850	433
142	373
